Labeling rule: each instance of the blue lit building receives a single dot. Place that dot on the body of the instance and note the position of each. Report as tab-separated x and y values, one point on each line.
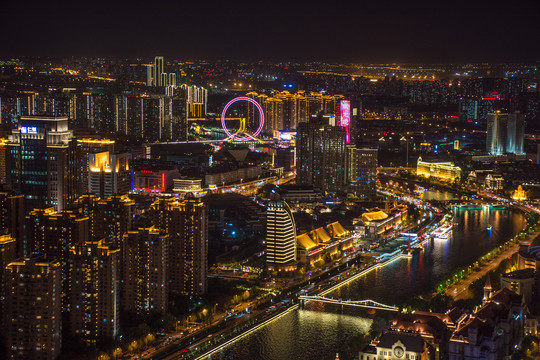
39	151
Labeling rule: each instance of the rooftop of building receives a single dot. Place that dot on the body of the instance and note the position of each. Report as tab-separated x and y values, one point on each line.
532	252
44	118
321	236
450	318
412	341
484	329
423	324
520	274
376	215
297	188
498	307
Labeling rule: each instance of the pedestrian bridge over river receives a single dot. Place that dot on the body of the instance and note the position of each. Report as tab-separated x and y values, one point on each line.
368	304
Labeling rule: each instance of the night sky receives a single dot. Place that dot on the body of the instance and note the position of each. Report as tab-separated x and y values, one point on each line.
345	31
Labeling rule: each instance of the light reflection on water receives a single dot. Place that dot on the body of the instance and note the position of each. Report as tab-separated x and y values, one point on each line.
438	195
316	334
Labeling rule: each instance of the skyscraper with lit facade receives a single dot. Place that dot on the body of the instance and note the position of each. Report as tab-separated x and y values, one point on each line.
320	152
285	110
12	219
280	237
496	133
505	133
361	171
186	224
39	161
145	287
109	174
94	314
4	162
33	326
152	117
158	70
156	75
8	253
84	149
515	133
196	100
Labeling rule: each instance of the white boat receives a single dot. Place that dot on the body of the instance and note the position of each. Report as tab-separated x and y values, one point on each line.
442	233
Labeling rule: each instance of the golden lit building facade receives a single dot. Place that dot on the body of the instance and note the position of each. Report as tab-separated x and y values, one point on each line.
284	110
84	148
314	245
376	222
446	171
109	174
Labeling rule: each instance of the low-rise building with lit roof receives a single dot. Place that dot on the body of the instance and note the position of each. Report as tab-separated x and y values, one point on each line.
314	245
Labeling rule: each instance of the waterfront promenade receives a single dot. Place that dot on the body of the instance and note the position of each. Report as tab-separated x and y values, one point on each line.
461	289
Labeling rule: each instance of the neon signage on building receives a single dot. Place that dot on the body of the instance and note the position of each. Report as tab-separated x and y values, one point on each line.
345	117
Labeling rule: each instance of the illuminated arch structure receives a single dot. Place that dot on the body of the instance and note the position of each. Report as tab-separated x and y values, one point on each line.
241	134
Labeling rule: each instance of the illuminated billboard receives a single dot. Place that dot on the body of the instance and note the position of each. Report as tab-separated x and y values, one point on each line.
29	130
345	117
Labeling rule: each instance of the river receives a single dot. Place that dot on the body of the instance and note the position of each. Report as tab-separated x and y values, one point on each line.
320	330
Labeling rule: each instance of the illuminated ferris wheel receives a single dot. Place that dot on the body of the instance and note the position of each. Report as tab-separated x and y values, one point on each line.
241	134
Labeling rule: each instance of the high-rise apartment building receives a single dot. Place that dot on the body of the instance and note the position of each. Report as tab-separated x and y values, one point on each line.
8	254
109	174
110	218
87	205
12	219
186	224
145	287
196	100
84	148
152	117
33	326
496	133
320	151
54	233
4	162
114	218
284	110
515	133
94	314
150	75
280	237
39	161
156	75
158	70
361	171
505	133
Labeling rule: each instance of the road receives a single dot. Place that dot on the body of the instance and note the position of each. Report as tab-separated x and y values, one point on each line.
461	289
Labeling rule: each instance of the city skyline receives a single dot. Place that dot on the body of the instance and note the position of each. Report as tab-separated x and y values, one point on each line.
270	180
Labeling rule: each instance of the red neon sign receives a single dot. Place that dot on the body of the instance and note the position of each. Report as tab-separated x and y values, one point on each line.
345	120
